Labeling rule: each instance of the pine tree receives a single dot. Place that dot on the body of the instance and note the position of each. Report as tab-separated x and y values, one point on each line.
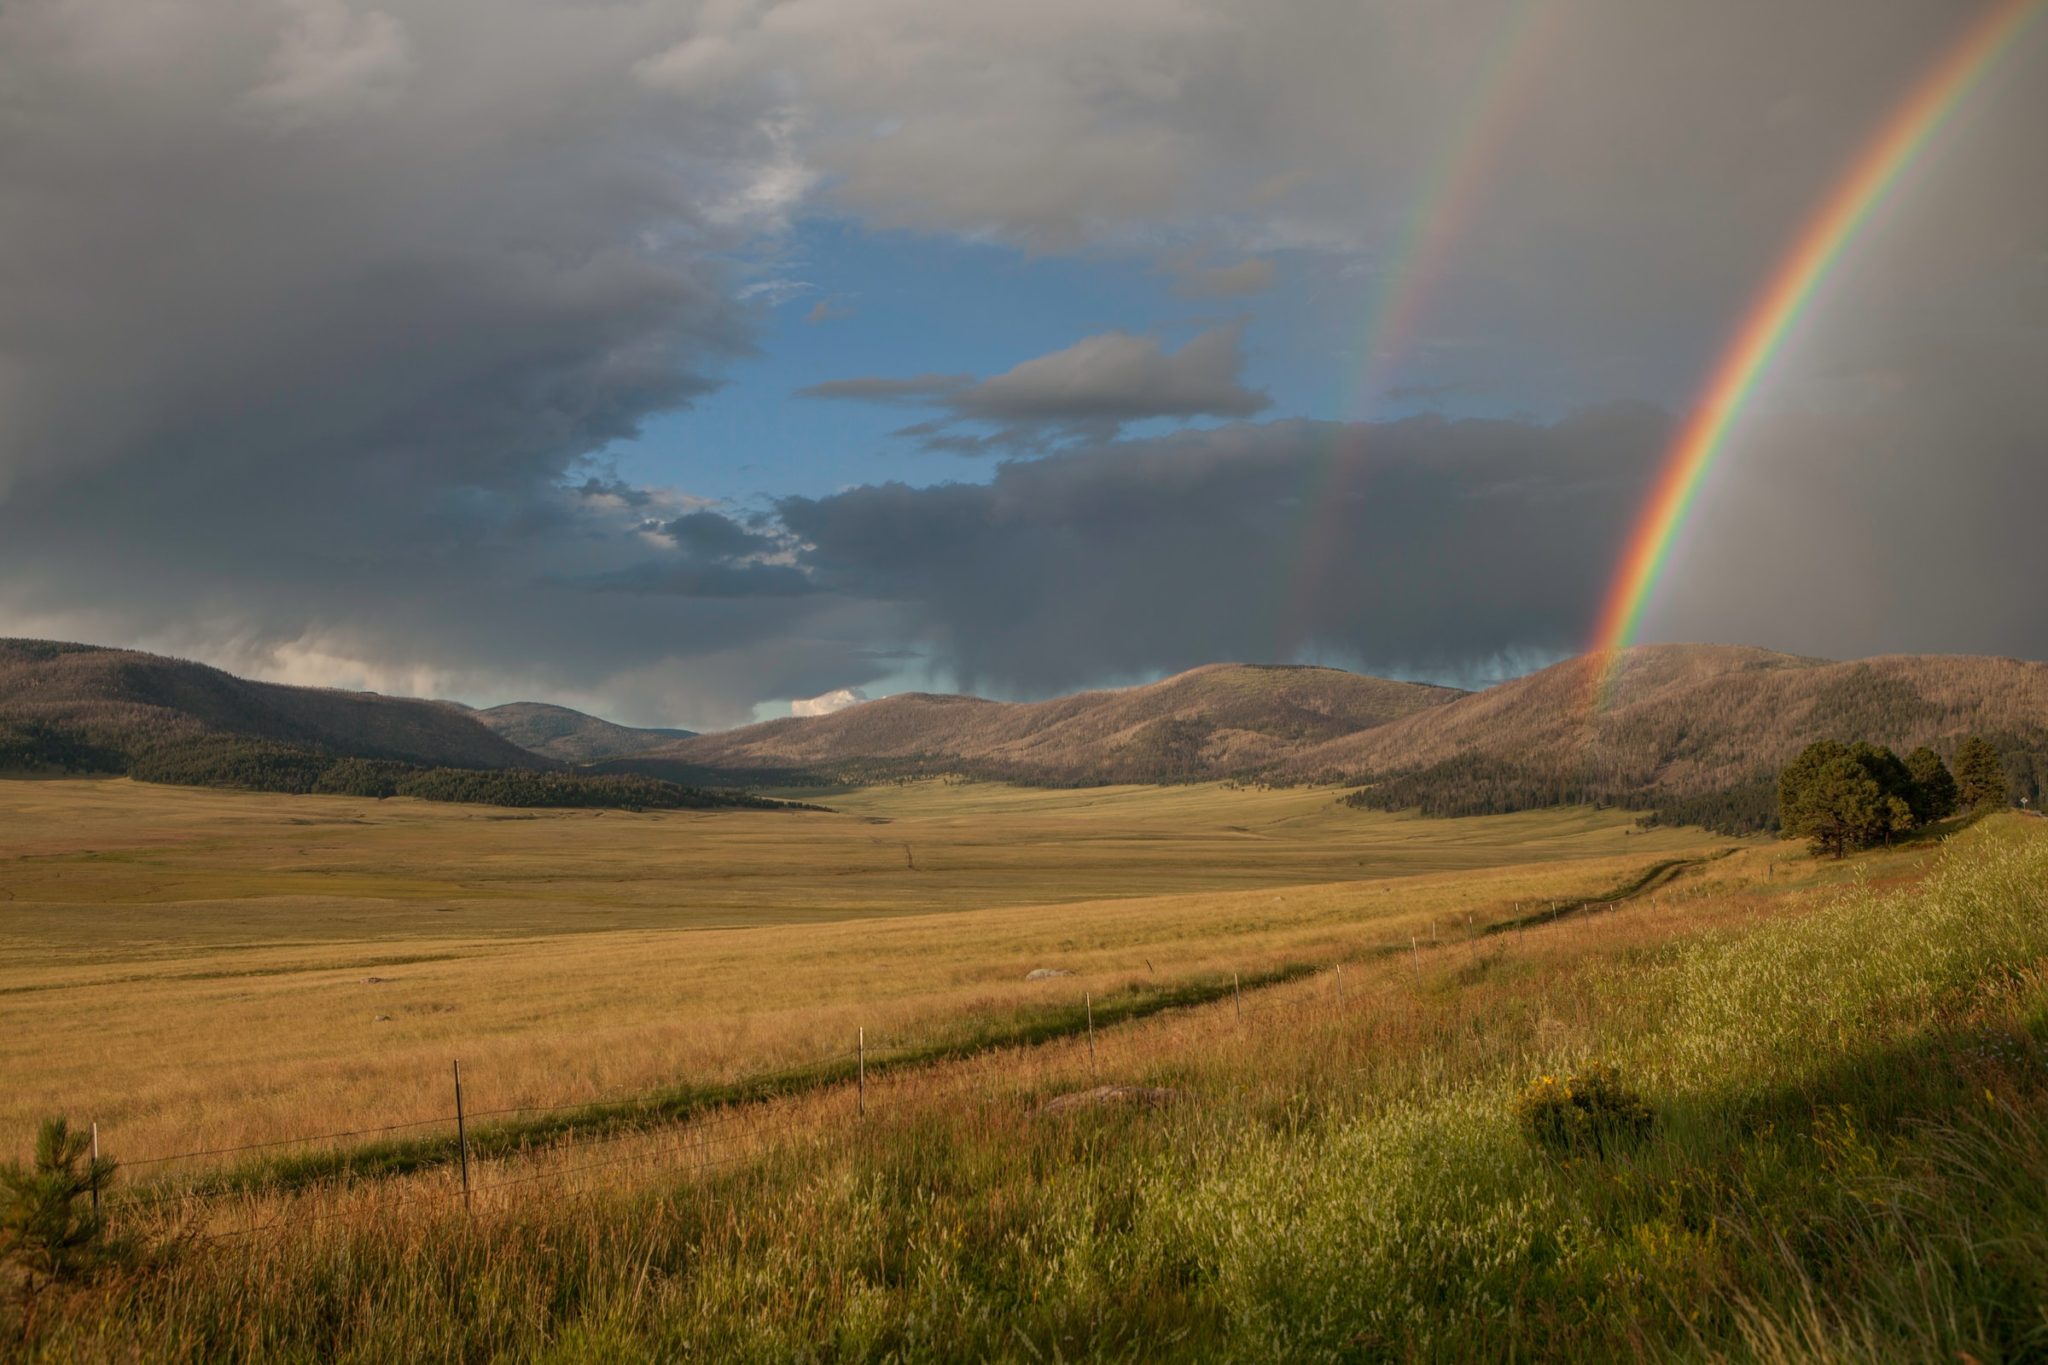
1980	774
1934	787
50	1224
1828	796
1891	775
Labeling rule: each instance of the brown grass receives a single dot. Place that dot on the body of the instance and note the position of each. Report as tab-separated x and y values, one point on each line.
193	968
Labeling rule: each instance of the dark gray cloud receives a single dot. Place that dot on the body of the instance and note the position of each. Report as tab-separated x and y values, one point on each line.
316	316
1417	546
708	535
1089	389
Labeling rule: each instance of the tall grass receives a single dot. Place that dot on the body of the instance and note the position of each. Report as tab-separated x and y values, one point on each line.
1849	1160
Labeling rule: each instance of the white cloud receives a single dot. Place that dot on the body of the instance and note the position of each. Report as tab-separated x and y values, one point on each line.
836	700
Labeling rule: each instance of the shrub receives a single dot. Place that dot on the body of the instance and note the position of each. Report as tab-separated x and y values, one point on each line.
1592	1111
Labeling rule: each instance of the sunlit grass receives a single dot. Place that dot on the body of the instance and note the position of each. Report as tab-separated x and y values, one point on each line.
1847	1159
168	973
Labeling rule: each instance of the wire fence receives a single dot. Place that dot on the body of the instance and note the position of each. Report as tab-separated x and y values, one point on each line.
702	1124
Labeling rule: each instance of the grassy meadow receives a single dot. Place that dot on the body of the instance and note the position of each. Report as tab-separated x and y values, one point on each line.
199	968
1844	1065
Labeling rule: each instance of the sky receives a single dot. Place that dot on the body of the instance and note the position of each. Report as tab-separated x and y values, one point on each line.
676	360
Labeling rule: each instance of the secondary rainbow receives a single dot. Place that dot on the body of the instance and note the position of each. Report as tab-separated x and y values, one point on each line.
1849	204
1442	208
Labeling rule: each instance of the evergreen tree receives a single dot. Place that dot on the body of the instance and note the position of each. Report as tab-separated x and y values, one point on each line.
1892	776
50	1224
1828	796
1934	787
1980	774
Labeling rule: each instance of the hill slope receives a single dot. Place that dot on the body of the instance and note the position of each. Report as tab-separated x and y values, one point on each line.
569	736
1217	721
115	704
1695	731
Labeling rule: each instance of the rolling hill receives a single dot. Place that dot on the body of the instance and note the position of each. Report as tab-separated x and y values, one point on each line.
114	705
570	736
67	708
1222	720
1696	732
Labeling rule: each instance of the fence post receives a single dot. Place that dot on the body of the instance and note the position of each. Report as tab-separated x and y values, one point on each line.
1416	953
462	1136
1237	997
95	1166
861	1102
1340	983
1088	999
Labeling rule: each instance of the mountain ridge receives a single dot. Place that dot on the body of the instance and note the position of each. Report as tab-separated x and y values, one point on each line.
1697	732
1694	733
1217	720
117	703
571	736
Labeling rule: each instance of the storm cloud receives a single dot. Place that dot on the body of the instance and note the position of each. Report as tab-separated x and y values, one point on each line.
325	321
1420	546
314	316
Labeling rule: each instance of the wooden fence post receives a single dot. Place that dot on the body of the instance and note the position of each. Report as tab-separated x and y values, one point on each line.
462	1137
1088	999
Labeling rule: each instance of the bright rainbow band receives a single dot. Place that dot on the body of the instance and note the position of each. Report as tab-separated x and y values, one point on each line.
1820	244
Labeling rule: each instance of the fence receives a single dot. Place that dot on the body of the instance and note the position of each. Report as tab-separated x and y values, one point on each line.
745	1114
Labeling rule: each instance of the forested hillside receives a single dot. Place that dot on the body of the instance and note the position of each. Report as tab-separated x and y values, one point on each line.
1694	732
1223	720
83	709
570	736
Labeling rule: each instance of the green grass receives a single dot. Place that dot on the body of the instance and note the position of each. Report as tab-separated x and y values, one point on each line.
1848	1160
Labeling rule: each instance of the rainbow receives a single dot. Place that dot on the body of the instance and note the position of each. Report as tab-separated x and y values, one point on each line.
1791	287
1442	207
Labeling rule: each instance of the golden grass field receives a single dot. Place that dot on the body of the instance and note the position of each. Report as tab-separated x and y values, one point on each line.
1845	1066
193	968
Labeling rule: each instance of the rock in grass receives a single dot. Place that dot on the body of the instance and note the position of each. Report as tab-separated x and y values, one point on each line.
1045	973
1109	1096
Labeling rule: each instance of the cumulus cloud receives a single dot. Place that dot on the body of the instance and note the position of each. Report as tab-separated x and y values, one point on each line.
1090	388
836	700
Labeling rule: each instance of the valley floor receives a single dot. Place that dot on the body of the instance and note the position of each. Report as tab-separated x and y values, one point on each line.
200	968
1843	1068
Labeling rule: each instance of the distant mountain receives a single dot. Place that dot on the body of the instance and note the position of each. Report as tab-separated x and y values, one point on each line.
571	736
117	704
81	708
1217	721
1697	732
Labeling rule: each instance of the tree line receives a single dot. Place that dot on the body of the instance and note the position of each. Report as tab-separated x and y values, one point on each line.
1841	797
264	766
